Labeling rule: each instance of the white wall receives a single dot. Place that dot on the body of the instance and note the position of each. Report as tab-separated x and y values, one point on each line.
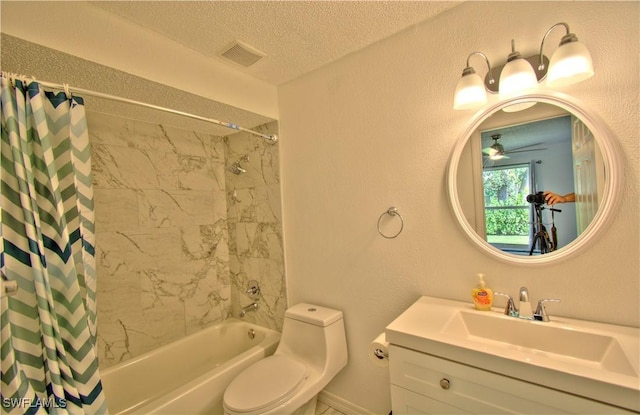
375	130
97	36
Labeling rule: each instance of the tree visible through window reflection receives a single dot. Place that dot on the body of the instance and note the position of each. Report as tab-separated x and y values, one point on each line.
506	208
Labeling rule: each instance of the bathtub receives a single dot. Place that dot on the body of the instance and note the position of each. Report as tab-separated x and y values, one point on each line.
188	376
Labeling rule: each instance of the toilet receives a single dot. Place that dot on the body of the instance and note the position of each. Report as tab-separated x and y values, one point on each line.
312	350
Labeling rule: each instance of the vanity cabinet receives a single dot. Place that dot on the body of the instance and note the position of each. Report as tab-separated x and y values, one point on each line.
426	384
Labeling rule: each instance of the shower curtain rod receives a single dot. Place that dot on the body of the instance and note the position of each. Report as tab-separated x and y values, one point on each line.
273	138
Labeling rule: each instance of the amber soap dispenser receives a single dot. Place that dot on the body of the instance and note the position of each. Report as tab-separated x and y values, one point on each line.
482	295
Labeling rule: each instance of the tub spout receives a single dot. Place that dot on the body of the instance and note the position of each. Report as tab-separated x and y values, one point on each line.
250	307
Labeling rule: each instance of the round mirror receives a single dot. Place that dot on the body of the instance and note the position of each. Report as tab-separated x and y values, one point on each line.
505	163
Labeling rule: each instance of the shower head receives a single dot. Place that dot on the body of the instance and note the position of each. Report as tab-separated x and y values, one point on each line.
236	168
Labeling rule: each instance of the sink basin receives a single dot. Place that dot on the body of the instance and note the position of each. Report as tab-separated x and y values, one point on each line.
603	350
596	360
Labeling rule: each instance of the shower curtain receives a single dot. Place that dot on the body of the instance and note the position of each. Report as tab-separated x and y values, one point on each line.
48	326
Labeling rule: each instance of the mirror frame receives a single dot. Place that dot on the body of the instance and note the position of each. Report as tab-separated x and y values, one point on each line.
611	194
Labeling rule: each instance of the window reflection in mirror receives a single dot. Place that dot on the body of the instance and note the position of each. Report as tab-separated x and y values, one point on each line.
508	215
517	154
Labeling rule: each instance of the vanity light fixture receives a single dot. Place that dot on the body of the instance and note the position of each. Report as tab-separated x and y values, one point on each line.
570	63
470	91
517	75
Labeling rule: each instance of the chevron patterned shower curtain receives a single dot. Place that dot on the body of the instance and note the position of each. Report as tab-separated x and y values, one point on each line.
48	326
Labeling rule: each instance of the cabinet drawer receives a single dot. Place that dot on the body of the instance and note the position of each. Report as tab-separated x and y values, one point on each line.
473	390
404	401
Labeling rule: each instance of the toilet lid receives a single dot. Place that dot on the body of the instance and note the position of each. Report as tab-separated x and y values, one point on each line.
266	382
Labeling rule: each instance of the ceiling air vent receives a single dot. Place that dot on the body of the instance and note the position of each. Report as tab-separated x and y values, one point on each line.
242	54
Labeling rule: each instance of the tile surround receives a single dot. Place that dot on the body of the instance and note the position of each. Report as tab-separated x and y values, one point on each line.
174	248
255	227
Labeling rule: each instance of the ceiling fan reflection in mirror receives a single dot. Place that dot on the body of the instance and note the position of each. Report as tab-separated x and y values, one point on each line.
498	152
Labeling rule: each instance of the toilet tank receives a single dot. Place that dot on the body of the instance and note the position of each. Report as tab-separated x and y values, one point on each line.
315	335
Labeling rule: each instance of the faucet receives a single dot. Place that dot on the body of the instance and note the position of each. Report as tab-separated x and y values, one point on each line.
525	305
541	312
510	309
250	307
253	291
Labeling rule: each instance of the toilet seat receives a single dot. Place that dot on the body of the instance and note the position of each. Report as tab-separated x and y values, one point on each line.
264	384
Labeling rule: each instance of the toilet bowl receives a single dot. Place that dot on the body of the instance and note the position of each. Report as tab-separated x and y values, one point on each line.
312	350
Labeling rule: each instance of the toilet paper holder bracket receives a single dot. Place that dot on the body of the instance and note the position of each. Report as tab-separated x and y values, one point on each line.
380	354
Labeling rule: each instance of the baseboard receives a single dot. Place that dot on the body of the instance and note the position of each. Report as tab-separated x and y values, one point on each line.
342	405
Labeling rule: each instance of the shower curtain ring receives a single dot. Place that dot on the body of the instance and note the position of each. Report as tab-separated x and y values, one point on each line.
67	92
392	211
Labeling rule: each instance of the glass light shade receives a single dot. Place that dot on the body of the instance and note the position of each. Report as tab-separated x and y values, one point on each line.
470	93
517	76
571	63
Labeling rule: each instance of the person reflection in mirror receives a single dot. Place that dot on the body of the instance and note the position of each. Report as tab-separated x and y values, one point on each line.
554	198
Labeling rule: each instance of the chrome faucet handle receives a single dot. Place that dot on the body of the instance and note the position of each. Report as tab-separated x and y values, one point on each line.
510	309
253	290
541	312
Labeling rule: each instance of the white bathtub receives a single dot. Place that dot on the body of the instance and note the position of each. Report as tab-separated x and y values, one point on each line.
188	376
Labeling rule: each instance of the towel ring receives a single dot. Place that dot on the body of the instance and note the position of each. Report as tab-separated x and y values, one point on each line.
392	211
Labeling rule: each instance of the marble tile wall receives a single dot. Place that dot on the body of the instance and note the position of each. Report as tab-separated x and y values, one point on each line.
255	227
163	242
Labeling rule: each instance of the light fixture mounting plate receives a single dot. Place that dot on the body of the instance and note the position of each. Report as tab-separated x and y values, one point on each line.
534	60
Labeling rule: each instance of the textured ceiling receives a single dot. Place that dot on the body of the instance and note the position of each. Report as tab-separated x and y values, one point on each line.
297	36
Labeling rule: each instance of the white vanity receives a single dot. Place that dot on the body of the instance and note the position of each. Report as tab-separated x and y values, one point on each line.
447	357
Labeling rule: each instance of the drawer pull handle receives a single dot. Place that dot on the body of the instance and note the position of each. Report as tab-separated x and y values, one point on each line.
445	384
